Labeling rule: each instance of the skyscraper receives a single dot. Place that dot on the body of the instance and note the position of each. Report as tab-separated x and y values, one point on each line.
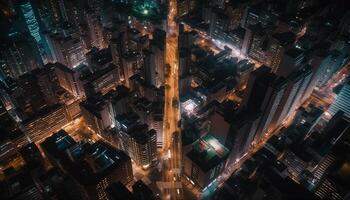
30	16
19	56
69	79
279	44
263	94
154	62
96	114
342	100
95	30
67	50
241	135
136	139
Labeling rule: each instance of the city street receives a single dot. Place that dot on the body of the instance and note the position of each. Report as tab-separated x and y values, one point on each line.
171	186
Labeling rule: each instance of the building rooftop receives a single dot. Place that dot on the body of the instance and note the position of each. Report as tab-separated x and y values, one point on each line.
207	152
58	143
92	162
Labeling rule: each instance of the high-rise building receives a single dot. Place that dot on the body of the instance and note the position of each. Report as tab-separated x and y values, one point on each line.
95	166
341	102
186	6
102	80
184	62
45	122
302	94
30	16
95	30
219	23
255	44
269	106
137	139
279	43
241	135
67	50
295	80
291	60
326	63
154	62
43	76
263	94
205	161
130	64
96	114
186	39
69	79
18	56
119	102
254	15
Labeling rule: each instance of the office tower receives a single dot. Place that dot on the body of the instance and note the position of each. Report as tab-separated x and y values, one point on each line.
341	102
255	91
302	94
31	20
241	135
45	122
292	60
18	56
67	50
295	80
96	114
270	104
137	139
95	31
205	161
68	79
264	93
279	44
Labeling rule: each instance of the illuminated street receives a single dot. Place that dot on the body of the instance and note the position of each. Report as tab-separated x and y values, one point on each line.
172	188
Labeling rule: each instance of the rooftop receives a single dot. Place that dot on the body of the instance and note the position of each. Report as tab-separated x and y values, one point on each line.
207	152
